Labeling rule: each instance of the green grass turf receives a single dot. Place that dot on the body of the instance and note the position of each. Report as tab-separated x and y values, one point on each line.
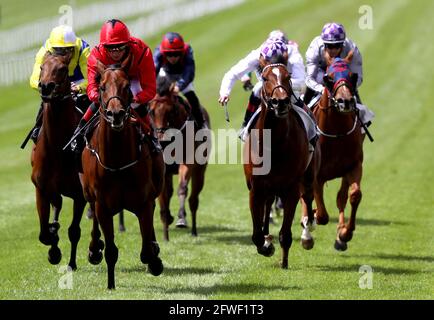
395	224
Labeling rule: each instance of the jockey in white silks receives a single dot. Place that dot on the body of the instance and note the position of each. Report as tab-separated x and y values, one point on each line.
276	44
332	40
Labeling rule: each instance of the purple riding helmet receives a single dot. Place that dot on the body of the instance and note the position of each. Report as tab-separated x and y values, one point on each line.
272	47
333	33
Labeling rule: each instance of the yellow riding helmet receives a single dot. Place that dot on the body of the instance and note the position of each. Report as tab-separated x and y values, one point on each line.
61	37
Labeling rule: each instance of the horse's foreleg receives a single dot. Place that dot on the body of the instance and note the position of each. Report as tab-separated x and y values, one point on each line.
267	215
307	219
48	232
121	221
341	202
74	231
197	182
321	215
105	219
290	201
184	178
150	248
56	203
96	245
257	209
164	200
353	178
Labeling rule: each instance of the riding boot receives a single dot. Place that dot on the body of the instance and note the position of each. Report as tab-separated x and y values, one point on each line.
38	124
195	108
252	106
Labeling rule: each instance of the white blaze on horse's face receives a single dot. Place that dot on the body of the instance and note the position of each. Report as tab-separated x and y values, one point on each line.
276	71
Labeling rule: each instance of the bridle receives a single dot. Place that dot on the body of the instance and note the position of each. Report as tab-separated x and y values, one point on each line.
126	105
272	103
55	95
341	106
176	105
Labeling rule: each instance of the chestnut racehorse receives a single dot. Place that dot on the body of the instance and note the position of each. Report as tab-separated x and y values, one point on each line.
287	161
341	145
54	172
171	112
121	172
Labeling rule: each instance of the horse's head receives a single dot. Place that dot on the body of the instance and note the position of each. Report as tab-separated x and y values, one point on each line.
276	89
341	83
54	82
115	94
164	108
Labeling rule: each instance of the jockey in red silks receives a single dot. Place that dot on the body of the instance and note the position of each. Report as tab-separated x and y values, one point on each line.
115	45
174	58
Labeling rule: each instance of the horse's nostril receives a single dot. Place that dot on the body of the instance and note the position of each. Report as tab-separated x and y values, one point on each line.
121	113
109	113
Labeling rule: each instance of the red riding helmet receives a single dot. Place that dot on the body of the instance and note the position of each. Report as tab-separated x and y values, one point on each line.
172	42
114	32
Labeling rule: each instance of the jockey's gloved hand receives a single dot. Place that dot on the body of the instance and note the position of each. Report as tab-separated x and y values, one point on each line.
247	85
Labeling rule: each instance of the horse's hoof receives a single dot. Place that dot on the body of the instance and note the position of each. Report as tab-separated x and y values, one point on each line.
267	251
321	220
54	255
72	266
155	267
170	219
340	245
284	264
122	228
307	243
95	257
181	223
345	234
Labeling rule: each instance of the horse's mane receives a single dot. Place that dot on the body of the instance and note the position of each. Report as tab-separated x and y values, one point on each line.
164	85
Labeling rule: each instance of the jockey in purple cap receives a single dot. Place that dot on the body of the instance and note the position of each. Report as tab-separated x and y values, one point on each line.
274	49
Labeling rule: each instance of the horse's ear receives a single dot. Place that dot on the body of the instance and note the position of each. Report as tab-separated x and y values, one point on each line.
125	65
262	62
328	59
349	57
328	82
100	67
353	79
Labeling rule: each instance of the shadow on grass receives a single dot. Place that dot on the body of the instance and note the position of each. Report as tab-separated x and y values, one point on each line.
399	257
168	271
233	289
376	269
370	222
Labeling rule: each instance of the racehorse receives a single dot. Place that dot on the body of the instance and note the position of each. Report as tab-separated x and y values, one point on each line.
121	172
341	145
54	172
171	112
288	160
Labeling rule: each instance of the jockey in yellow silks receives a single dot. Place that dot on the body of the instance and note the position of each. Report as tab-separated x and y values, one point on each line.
63	42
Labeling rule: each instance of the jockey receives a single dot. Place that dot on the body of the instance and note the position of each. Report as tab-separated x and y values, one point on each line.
332	40
63	42
276	44
115	45
173	57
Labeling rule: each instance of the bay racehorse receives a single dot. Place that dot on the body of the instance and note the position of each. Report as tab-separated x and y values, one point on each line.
172	115
121	172
341	145
286	154
54	171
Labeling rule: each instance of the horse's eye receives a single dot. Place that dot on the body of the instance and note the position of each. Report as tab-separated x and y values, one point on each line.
286	101
264	79
274	101
102	88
